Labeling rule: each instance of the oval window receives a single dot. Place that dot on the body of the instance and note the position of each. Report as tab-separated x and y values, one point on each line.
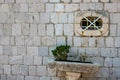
91	23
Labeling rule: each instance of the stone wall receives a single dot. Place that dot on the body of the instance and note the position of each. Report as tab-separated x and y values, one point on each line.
30	29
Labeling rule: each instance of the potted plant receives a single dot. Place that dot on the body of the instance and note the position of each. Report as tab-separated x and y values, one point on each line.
60	53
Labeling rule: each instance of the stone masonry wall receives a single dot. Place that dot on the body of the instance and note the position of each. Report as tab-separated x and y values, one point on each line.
30	29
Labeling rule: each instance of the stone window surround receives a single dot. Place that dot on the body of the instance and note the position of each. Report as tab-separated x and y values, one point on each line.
91	33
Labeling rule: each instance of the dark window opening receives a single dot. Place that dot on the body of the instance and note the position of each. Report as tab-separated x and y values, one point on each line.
91	25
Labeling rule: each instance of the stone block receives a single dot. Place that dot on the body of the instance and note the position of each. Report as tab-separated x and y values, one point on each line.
21	17
7	29
117	42
55	1
1	69
50	30
32	78
103	72
63	18
38	60
115	18
20	1
23	7
116	62
55	78
49	7
98	60
93	52
4	8
33	29
41	29
71	7
54	18
15	60
34	17
9	1
7	69
19	40
25	29
92	42
3	17
48	41
1	29
109	52
70	18
5	40
68	29
77	1
118	7
12	40
1	1
21	50
111	7
115	1
37	41
28	60
45	78
109	42
32	1
41	70
61	41
7	50
65	1
14	77
36	8
16	29
59	29
69	41
32	70
44	18
95	0
108	62
114	72
16	69
45	60
59	7
96	6
52	72
100	42
105	0
43	1
3	77
24	70
32	51
86	1
84	6
1	50
114	30
77	41
43	51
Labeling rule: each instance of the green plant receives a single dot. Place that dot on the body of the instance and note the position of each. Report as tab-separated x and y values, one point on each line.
83	57
60	53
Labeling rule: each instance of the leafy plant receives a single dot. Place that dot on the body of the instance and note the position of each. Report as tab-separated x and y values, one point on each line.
60	53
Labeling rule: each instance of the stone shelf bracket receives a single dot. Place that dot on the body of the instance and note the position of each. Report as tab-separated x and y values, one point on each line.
73	70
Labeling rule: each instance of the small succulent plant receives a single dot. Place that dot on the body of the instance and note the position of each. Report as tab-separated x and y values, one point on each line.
83	57
60	53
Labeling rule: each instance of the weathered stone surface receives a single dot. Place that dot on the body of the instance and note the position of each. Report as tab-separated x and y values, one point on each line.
109	52
16	60
41	71
43	51
73	67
